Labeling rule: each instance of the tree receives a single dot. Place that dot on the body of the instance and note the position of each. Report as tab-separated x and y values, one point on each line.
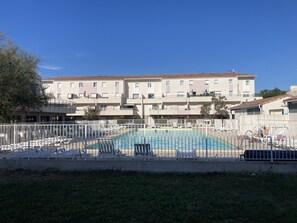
91	114
205	109
220	106
270	93
20	84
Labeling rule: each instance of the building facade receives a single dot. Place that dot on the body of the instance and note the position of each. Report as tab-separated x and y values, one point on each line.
292	106
271	106
275	112
54	111
150	97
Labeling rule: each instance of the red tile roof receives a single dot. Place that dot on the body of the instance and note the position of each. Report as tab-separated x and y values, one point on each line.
259	102
151	76
293	98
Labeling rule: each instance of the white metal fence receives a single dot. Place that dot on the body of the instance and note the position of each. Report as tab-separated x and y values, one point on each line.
104	140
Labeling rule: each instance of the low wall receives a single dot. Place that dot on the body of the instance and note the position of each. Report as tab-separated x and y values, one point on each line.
158	166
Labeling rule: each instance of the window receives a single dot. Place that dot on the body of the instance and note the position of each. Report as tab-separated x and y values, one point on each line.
135	96
215	81
192	93
167	83
70	96
230	93
58	96
180	94
94	84
80	84
276	112
103	84
155	107
247	83
181	82
191	82
116	84
206	82
81	95
105	95
71	85
128	106
103	108
151	95
230	81
58	85
246	94
136	85
93	95
253	111
149	85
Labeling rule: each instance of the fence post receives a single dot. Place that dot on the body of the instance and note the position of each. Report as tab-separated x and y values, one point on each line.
85	138
29	136
14	135
206	149
271	152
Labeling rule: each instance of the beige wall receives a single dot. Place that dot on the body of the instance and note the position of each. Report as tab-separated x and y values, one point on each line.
163	95
141	87
242	86
293	117
275	107
158	87
253	122
72	87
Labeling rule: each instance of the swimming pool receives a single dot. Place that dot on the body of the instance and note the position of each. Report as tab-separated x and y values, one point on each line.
182	140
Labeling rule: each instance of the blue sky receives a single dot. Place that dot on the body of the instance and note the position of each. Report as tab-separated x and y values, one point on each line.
123	37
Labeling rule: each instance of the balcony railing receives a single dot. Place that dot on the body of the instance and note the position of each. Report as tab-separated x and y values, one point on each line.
174	111
58	105
117	112
110	99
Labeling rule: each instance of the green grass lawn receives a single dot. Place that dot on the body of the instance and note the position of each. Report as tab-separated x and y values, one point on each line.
142	197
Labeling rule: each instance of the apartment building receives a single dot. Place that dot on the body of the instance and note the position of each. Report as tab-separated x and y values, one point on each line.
150	97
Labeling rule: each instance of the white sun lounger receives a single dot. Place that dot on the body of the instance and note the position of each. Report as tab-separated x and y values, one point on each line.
62	153
186	154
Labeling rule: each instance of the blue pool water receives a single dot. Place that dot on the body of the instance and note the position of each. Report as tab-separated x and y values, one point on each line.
183	140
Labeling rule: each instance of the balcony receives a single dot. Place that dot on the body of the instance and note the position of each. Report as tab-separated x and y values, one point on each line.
58	106
117	112
134	101
235	98
174	112
92	101
174	99
199	99
77	113
152	101
107	112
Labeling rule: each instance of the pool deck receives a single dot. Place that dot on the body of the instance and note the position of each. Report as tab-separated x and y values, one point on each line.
227	137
